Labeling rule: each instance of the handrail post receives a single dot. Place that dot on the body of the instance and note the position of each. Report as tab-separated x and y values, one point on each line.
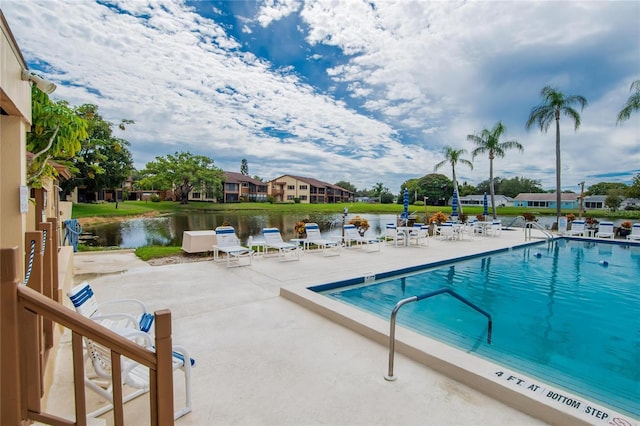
9	364
392	334
55	238
162	378
47	278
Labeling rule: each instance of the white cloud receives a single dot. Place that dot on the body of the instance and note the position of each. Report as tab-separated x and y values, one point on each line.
436	70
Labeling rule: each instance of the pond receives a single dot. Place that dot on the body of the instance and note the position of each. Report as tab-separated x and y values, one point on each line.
167	230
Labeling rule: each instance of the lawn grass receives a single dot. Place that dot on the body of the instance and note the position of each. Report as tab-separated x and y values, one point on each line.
154	252
136	208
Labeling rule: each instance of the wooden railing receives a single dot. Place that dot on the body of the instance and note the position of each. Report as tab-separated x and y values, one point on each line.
28	312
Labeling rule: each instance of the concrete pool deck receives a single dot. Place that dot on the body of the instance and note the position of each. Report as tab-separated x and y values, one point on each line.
264	360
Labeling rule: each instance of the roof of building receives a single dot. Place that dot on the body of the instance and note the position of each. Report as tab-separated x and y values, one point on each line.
233	177
546	196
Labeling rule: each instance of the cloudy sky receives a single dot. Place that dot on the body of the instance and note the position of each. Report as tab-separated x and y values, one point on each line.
362	91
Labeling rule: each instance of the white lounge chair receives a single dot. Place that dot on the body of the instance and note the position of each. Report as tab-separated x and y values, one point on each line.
112	314
351	235
394	236
273	240
227	242
578	227
635	232
314	237
605	230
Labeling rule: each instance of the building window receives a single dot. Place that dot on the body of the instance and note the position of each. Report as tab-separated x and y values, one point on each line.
303	187
195	195
303	197
245	184
291	187
290	197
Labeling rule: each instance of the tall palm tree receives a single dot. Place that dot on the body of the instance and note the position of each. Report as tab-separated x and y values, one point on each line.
554	103
454	156
633	103
488	141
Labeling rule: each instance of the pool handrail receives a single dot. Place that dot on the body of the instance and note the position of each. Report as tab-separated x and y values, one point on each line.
392	322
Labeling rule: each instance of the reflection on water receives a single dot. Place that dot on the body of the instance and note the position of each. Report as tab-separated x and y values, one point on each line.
167	230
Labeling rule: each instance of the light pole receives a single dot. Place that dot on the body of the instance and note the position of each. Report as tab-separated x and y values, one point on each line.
581	199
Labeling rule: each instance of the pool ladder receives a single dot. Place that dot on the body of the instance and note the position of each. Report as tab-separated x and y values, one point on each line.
392	331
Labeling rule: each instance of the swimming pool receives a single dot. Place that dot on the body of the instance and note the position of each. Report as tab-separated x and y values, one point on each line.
565	312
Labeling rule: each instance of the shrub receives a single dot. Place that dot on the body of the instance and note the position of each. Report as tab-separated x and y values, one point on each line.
439	217
360	223
155	198
571	217
299	226
529	217
626	225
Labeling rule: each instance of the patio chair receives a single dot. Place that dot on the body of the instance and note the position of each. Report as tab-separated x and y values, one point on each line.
227	242
605	230
578	227
314	237
495	229
395	236
273	240
351	235
112	314
445	231
134	375
419	235
635	232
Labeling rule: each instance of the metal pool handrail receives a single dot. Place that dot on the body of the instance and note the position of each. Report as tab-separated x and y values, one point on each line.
392	332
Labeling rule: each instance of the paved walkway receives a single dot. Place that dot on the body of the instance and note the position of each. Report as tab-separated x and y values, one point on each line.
264	360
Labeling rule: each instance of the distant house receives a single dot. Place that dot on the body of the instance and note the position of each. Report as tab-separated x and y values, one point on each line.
594	202
307	190
477	200
238	187
547	200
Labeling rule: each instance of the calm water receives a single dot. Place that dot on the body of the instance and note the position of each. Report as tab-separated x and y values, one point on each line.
559	314
167	230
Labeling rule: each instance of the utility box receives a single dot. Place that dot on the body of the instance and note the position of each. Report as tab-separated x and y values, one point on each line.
198	241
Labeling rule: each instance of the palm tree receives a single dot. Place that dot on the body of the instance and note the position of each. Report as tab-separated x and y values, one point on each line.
453	157
488	141
554	103
633	103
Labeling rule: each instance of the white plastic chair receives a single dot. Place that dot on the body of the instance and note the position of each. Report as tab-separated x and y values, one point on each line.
314	237
635	232
351	235
605	230
112	314
578	227
227	242
395	236
273	240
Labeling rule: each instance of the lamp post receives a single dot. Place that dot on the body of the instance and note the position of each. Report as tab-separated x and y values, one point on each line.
581	199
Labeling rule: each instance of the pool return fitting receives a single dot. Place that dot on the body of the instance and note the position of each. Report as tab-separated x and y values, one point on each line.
392	331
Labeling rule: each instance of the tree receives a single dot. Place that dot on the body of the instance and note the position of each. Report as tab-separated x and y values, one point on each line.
346	185
603	188
244	167
555	103
454	156
633	103
488	141
614	199
104	161
182	172
56	134
634	189
437	188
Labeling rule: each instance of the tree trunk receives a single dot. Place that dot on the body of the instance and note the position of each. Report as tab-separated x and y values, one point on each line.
558	189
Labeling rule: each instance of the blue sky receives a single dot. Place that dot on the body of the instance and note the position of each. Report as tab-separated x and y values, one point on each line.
362	91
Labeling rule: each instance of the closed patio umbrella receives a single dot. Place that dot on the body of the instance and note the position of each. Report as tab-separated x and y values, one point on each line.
405	211
454	204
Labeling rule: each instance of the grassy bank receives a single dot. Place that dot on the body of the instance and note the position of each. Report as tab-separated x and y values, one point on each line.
138	208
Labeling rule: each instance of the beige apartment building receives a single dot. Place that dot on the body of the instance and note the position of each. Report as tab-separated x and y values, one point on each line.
307	190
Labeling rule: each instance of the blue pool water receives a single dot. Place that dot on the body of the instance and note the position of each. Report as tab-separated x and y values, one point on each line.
566	312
